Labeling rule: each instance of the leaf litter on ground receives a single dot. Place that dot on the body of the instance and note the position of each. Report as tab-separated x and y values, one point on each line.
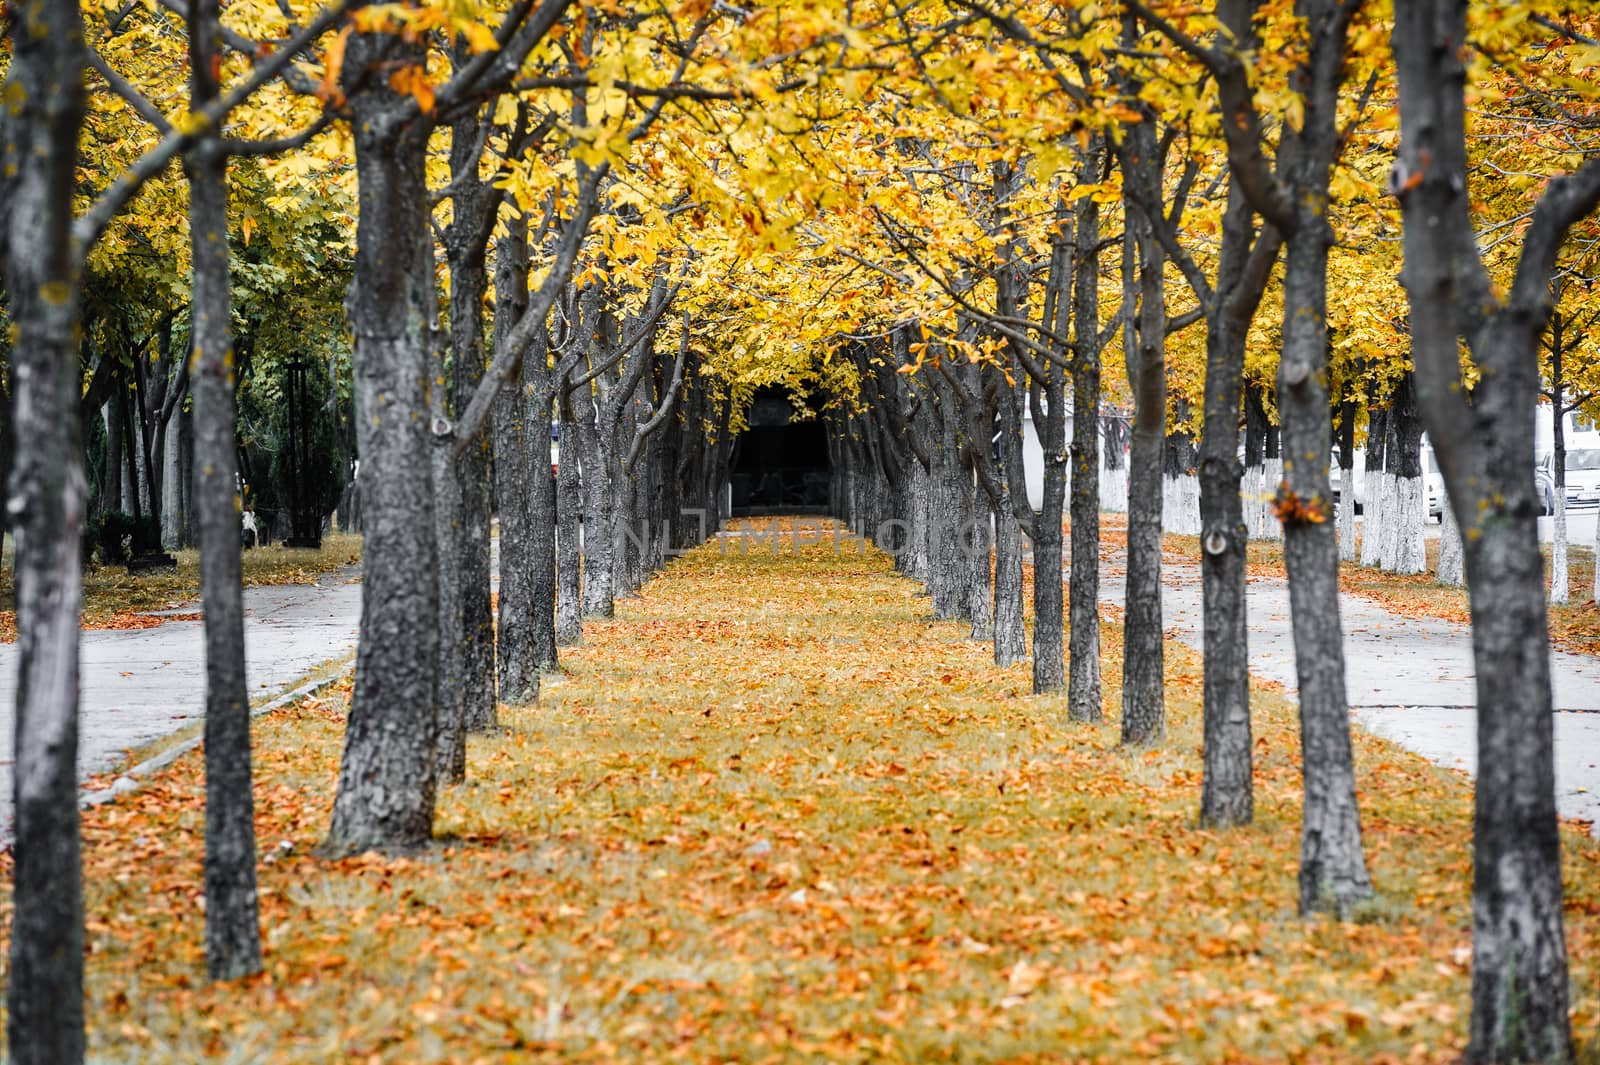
774	811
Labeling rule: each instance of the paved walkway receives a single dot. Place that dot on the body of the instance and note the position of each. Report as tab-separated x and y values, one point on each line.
142	684
1409	679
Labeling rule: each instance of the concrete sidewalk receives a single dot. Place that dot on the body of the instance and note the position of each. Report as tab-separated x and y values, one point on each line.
1408	679
142	684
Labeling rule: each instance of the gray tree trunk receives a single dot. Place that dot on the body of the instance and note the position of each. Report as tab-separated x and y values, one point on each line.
1226	792
1371	508
538	393
116	436
1143	679
177	483
516	655
1452	561
1294	199
599	511
1519	965
1010	637
473	205
386	790
569	536
44	987
451	682
1346	520
1559	568
1049	663
976	545
1084	695
1333	868
233	935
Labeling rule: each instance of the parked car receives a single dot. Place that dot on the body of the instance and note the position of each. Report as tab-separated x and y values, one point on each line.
1544	485
1583	476
1432	479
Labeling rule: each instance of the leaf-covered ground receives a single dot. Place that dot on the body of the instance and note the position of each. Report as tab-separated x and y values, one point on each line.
773	812
113	598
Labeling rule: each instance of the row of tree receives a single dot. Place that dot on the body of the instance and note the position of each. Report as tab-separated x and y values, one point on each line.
940	221
932	449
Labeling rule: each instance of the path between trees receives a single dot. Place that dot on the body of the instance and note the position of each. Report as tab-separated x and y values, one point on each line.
772	804
1408	679
140	685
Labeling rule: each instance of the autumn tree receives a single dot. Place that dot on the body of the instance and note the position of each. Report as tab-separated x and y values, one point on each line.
46	248
1483	439
1291	193
45	990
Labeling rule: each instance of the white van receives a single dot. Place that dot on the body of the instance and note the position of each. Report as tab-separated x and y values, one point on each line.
1432	479
1583	475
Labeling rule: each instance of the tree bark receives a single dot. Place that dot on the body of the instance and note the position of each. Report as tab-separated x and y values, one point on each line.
1559	569
1346	520
569	536
1010	638
450	673
1519	964
516	655
111	496
473	205
233	934
1333	868
1403	544
44	989
1294	199
1372	517
599	512
1084	695
538	395
385	799
976	545
1226	791
1452	562
1143	659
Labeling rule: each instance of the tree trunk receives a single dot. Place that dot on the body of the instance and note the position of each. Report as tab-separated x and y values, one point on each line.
233	935
44	990
1143	658
172	490
1084	695
599	512
1519	965
1372	516
1226	792
515	656
451	682
1452	561
385	799
1333	868
111	497
542	518
1010	638
976	545
1346	519
569	536
466	552
946	573
1559	569
1403	548
1049	665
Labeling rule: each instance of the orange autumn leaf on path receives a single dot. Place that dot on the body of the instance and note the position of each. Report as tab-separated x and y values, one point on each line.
773	811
